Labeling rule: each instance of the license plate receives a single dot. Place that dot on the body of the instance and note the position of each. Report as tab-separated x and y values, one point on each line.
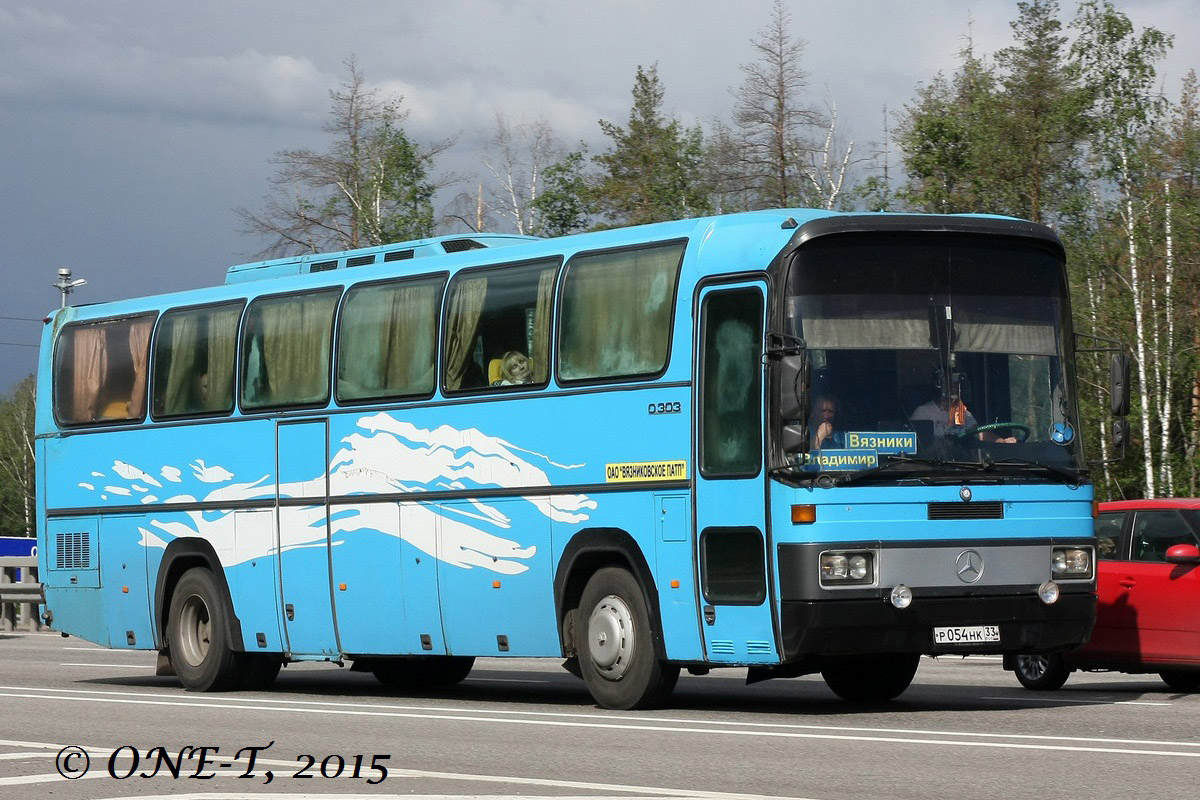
966	634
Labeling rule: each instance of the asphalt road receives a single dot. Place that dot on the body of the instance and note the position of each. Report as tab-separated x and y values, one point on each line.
524	728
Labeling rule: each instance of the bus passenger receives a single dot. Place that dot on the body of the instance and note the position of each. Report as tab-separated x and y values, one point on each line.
514	369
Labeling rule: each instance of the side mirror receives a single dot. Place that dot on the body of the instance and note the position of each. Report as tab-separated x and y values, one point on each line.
793	386
1120	433
1183	554
1118	380
794	438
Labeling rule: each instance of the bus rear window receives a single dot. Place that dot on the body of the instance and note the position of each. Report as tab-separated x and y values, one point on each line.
100	371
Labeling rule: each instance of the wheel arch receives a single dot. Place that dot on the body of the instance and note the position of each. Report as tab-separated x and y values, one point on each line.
180	556
593	549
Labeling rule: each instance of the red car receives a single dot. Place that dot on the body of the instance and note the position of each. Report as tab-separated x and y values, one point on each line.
1148	592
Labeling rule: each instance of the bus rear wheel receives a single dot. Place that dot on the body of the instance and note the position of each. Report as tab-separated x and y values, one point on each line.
616	652
870	679
422	673
198	635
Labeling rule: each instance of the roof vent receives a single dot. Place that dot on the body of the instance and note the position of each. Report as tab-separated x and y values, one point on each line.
323	266
459	245
398	255
360	261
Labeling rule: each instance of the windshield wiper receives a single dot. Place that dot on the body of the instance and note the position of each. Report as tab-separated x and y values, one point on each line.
898	460
1068	476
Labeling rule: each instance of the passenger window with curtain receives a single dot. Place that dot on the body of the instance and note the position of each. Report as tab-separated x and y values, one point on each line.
195	361
285	350
497	329
731	384
387	340
616	313
100	371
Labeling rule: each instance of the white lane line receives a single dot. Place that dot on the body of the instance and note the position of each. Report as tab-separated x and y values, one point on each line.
49	777
633	724
20	756
284	705
1076	701
112	666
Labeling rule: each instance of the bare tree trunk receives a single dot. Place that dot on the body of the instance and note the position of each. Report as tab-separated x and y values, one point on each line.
1166	386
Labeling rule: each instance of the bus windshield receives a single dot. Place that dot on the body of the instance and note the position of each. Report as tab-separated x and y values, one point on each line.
935	353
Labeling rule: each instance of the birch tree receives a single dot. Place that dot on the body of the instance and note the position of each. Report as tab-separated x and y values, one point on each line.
17	460
1118	65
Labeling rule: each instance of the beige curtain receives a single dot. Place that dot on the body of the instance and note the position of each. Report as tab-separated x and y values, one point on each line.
139	352
466	305
541	325
295	347
222	346
89	365
182	340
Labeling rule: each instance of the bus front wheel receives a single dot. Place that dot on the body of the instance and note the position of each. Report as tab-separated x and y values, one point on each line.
198	634
617	655
870	679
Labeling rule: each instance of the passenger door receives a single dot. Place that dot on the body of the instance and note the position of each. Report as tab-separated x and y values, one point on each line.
1164	598
302	537
731	531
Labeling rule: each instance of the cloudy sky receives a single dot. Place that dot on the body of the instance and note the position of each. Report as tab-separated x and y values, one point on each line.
130	130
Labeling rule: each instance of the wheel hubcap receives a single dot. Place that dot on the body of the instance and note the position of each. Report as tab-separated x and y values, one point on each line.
611	637
195	628
1033	667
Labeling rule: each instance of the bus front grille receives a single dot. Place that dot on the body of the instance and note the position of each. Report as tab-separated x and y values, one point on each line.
989	510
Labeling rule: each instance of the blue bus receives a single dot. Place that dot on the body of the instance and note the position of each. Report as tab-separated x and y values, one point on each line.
792	441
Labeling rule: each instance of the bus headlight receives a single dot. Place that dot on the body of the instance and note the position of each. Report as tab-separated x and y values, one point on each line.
847	568
1071	562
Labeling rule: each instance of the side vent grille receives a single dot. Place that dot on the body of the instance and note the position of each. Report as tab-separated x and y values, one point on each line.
73	550
989	510
722	646
398	255
323	266
459	245
360	261
758	648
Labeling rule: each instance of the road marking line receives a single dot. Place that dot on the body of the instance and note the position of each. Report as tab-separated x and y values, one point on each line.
1076	701
633	724
112	666
284	705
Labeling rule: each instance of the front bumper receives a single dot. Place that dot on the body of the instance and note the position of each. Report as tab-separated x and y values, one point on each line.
864	626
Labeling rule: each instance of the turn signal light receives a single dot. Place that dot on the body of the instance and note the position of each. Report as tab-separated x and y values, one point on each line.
804	514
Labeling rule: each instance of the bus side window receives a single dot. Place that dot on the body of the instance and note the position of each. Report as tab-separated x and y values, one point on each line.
286	348
498	327
616	312
194	361
387	340
100	371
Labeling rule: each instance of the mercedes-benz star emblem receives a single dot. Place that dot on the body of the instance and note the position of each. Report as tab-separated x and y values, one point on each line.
965	494
969	566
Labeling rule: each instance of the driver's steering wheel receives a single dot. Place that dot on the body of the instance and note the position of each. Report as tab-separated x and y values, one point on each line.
1019	431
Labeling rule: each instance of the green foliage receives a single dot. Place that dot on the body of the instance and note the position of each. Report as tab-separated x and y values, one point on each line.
16	460
653	170
564	205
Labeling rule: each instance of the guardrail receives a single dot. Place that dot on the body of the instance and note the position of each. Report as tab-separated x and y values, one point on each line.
19	598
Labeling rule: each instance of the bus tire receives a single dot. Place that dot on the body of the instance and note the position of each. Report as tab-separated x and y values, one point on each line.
616	644
1181	681
198	632
422	673
870	679
1041	673
259	671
